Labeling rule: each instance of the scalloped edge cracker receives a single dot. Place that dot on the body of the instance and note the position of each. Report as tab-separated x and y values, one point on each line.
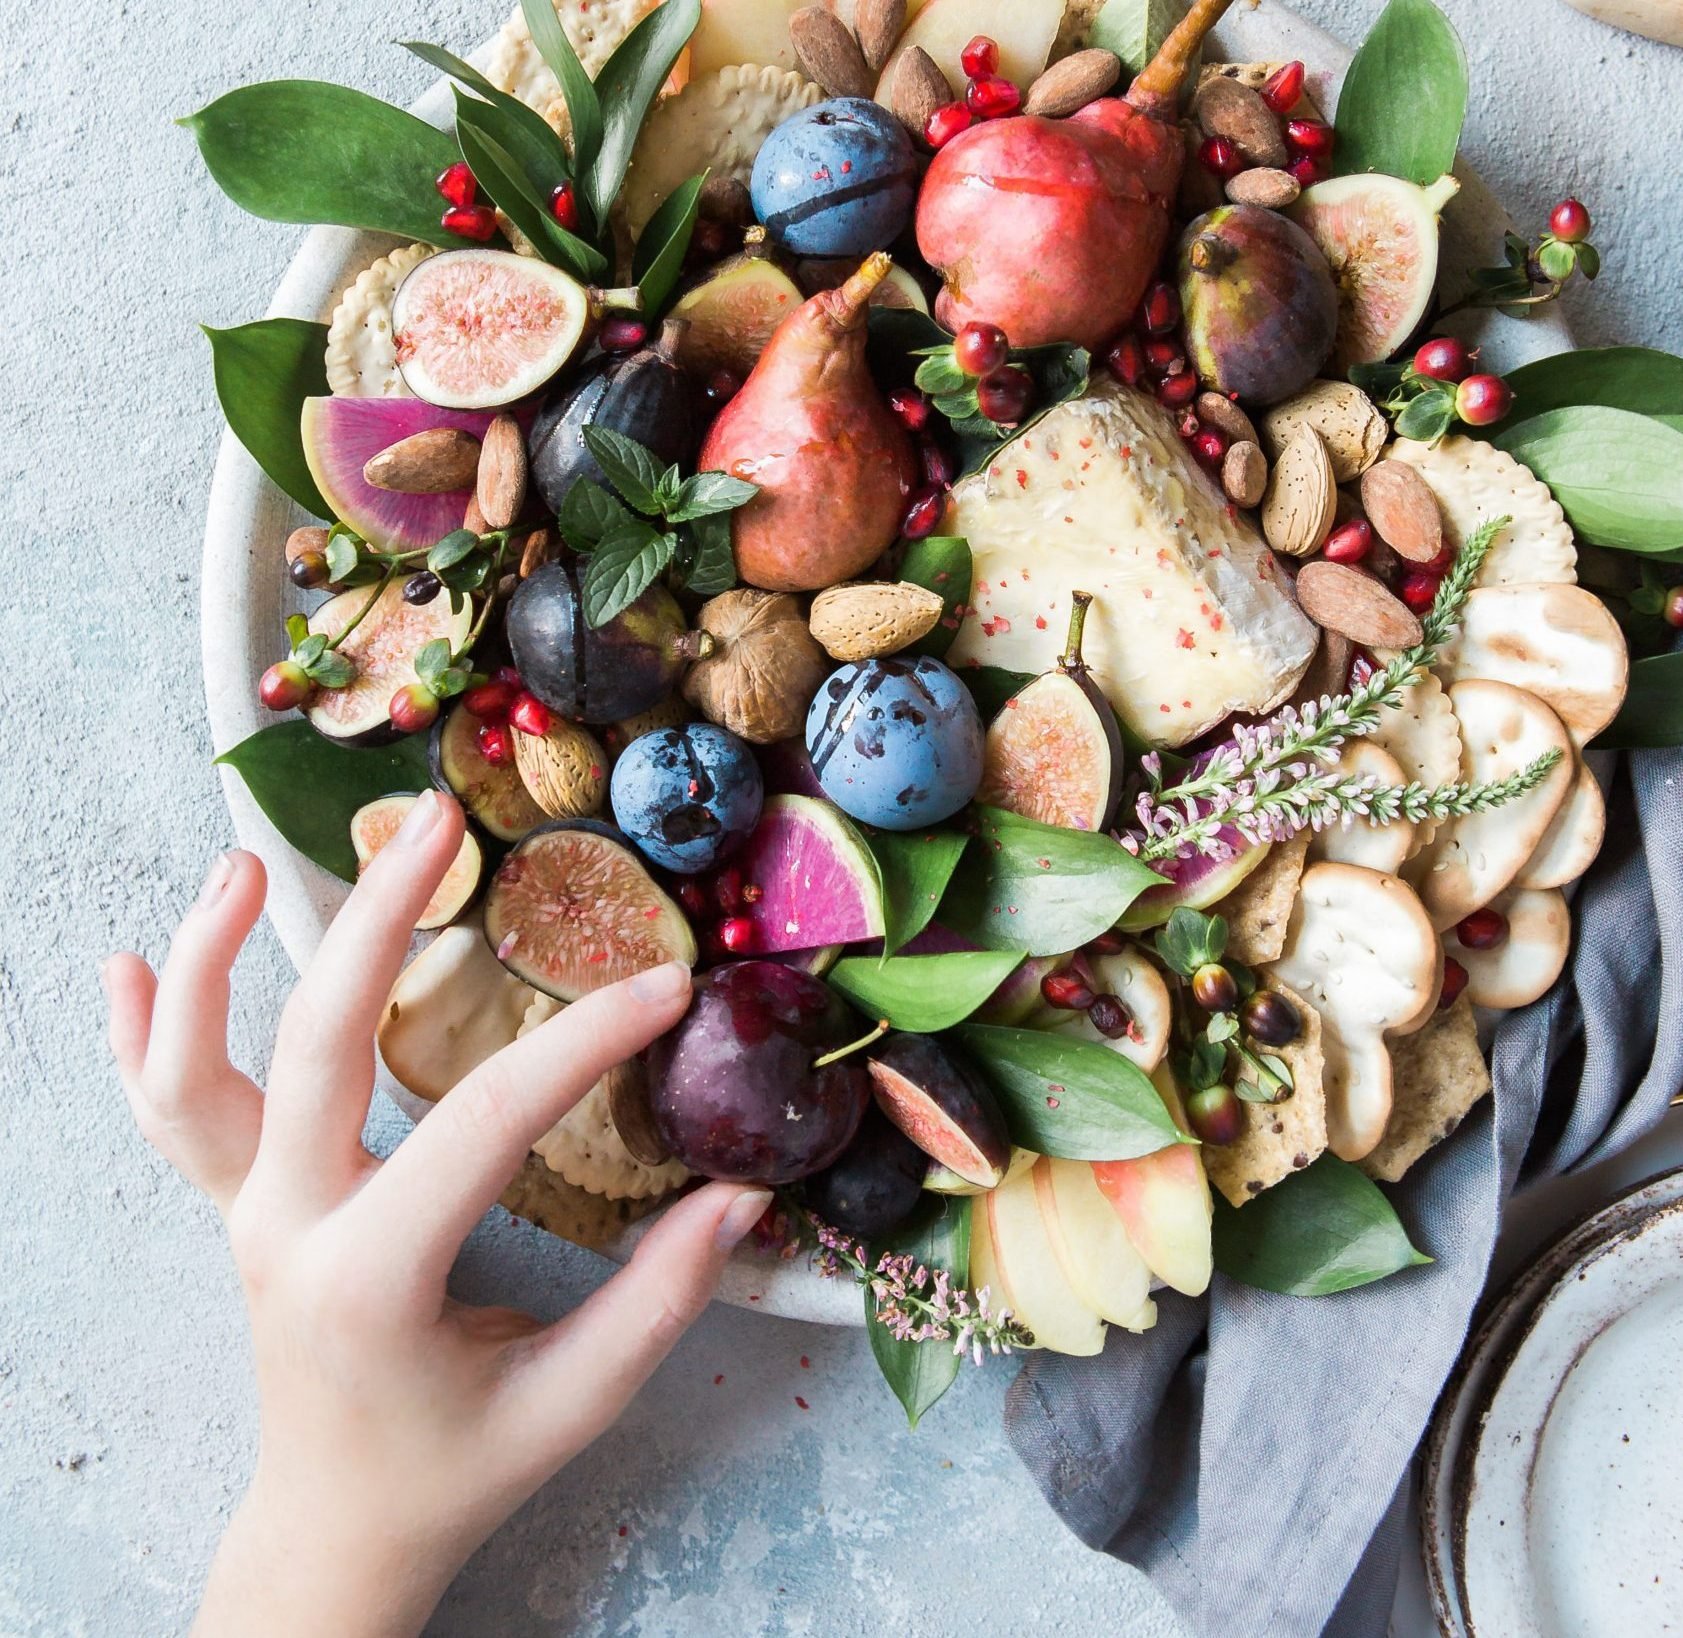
361	349
1424	735
716	123
548	1201
1259	908
1279	1138
596	29
1438	1074
1475	482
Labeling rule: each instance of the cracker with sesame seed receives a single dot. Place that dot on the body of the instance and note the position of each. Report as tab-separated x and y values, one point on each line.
1437	1075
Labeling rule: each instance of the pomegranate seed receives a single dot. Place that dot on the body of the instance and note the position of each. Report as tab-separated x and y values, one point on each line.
1672	613
471	222
923	513
911	406
622	335
949	120
1126	360
980	57
939	468
1440	565
1222	156
1419	590
507	674
1004	396
1349	542
1306	172
530	715
722	386
1107	943
1109	1016
692	898
495	745
1209	446
1445	358
1482	400
1483	929
490	700
564	206
284	685
1164	356
727	890
1283	89
1188	426
1160	311
993	97
457	184
1066	991
1177	391
980	349
1310	139
1454	981
1570	221
413	709
737	935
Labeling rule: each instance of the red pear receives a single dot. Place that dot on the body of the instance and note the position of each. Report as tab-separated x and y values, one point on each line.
833	462
1051	228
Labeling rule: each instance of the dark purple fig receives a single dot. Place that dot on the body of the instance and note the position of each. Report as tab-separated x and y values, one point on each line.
603	673
740	1090
1260	303
943	1106
1055	752
876	1184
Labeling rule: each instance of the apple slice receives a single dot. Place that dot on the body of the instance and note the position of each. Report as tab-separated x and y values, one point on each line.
1163	1200
1025	1271
1023	30
1092	1246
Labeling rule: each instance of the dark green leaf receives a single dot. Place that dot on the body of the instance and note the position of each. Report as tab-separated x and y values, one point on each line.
631	468
342	559
624	565
523	131
1428	417
936	1237
1067	1097
713	567
710	492
627	86
306	151
1639	379
587	513
468	575
264	372
450	551
1190	939
1652	715
915	867
659	261
584	105
309	787
1325	1229
1134	29
941	564
924	994
1381	379
991	686
1404	96
1618	475
1205	1064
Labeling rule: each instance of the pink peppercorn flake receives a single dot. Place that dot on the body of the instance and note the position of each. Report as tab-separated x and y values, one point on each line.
802	1403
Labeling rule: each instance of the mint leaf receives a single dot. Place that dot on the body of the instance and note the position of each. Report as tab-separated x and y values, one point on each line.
713	564
708	493
633	470
587	513
624	565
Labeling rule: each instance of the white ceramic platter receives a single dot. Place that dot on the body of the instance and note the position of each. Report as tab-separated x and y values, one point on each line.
246	599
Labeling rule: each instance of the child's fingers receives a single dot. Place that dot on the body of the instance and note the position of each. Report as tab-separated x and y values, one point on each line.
450	1170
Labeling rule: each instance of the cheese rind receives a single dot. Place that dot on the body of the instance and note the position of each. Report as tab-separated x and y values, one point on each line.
1192	620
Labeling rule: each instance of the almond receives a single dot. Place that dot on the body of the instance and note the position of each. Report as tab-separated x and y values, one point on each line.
537	549
427	463
879	25
566	770
501	490
310	538
919	88
1403	510
1215	410
829	54
859	622
474	520
1264	186
1349	422
1228	109
1302	499
1352	603
1244	473
1073	83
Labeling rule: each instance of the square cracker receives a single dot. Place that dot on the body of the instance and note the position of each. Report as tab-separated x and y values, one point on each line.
1258	909
1279	1138
1437	1075
549	1201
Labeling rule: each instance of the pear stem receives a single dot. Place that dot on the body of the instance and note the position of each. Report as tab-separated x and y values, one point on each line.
852	1046
1156	88
1071	660
850	301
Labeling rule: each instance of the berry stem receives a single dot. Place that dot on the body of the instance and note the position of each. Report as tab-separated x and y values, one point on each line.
362	613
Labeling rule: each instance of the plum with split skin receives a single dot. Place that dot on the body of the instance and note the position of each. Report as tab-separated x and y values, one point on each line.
688	797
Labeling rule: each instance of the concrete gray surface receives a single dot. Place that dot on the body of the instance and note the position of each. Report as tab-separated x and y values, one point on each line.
126	1420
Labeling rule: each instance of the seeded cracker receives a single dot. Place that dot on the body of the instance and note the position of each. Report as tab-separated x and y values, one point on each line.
1259	908
595	28
1437	1075
361	351
548	1200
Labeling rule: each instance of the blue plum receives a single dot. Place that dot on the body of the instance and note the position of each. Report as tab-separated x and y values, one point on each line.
896	742
688	797
837	179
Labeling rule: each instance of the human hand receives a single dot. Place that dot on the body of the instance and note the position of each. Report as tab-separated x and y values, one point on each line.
398	1426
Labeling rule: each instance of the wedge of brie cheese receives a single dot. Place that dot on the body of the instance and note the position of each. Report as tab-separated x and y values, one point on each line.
1193	618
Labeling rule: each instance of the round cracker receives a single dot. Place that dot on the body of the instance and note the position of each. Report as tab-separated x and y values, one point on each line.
1424	737
1574	836
361	348
548	1201
596	29
1356	842
1524	966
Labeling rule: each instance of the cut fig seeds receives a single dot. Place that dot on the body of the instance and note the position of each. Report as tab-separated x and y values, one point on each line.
941	1104
376	823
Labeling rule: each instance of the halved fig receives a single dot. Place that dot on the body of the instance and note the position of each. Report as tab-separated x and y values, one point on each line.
496	796
899	288
875	1185
476	329
942	1105
571	909
383	648
375	823
941	1179
733	311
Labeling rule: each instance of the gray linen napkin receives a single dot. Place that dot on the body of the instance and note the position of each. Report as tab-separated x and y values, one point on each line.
1251	1453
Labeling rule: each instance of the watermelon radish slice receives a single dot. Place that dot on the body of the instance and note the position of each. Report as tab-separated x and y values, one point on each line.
341	435
818	882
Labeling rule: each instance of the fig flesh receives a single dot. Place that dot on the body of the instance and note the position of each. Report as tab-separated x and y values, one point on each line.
375	823
496	797
875	1185
942	1105
733	313
572	909
688	797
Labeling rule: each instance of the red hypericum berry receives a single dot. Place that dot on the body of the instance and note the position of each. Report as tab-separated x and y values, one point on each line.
1482	400
622	335
693	899
1214	988
495	745
413	709
1310	139
923	513
911	407
1221	155
1177	391
722	386
1125	359
1349	542
1209	446
1418	589
1004	396
980	57
1216	1115
1445	358
727	890
1570	221
284	685
1066	991
1283	89
1163	356
1306	172
507	674
456	182
1482	930
949	120
1160	311
1454	981
490	701
980	349
1672	611
564	206
471	222
1109	1017
993	97
530	715
737	935
939	467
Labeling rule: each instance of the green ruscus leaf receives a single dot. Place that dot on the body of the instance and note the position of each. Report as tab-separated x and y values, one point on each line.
1652	715
936	1236
627	86
916	867
659	260
1404	97
924	994
264	372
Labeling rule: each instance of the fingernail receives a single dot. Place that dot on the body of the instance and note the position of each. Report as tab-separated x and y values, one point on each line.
221	873
661	983
415	829
743	1213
